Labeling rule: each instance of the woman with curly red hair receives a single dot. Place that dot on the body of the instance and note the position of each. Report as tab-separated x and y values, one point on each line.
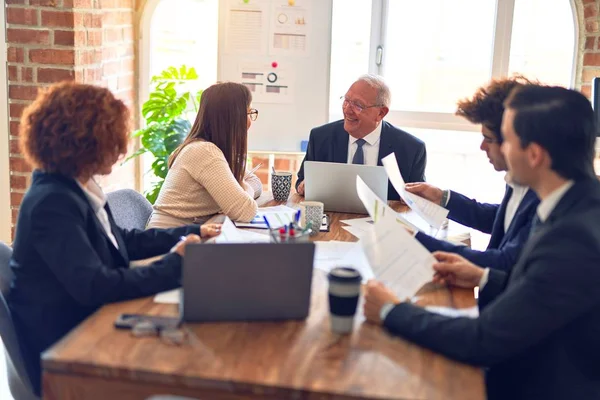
69	256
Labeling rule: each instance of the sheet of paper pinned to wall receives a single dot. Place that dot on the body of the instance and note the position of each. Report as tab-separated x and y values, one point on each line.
246	27
429	211
269	82
290	23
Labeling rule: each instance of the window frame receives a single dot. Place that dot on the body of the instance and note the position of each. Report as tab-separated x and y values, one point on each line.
503	23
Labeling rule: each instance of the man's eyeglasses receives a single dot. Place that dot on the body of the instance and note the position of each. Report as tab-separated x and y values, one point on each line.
357	107
253	113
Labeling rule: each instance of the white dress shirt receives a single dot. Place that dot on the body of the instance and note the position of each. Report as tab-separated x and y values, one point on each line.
97	200
543	211
370	148
518	192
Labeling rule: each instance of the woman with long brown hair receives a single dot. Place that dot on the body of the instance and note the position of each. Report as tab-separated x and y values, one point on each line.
207	172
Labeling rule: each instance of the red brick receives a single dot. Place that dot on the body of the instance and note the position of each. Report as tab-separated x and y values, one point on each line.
18	164
18	92
13	128
128	34
588	74
591	59
84	4
282	164
128	65
587	91
92	75
13	73
21	16
590	11
9	2
16	109
14	146
64	38
15	215
62	19
28	36
46	56
43	3
589	42
16	198
51	75
87	20
88	57
18	182
26	74
589	1
15	54
94	37
591	26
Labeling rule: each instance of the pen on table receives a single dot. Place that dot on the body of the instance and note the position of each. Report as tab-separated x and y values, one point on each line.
269	228
297	217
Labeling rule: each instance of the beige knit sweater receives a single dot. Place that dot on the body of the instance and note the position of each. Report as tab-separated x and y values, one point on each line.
200	183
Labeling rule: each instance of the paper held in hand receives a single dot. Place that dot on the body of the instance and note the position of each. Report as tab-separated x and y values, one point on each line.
395	256
434	214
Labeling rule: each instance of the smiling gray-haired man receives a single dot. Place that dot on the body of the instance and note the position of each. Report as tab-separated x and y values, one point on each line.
362	137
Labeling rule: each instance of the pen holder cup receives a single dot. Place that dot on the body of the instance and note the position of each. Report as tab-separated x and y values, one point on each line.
300	237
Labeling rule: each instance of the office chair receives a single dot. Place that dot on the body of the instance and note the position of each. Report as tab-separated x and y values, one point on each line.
18	379
130	209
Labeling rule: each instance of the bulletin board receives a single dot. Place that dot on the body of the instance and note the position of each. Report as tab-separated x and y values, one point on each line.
280	49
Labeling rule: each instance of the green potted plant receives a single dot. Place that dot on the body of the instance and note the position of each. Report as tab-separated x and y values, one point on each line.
172	100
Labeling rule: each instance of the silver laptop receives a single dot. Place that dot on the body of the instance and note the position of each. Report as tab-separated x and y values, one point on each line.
246	281
334	184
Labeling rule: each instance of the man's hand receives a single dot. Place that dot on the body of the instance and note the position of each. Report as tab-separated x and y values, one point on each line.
453	269
210	230
376	296
300	189
425	190
179	248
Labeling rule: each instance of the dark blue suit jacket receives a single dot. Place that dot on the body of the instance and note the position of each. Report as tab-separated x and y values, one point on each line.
66	267
539	324
329	143
504	248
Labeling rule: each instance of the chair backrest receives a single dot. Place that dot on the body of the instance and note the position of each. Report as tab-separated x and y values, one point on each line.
130	209
7	329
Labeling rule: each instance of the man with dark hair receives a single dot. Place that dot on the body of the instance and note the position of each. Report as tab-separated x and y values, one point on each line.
538	327
508	222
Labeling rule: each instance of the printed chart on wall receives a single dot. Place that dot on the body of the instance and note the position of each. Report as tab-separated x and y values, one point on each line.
247	26
289	23
268	82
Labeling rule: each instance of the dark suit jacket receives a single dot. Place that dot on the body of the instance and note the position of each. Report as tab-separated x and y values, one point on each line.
329	143
66	267
539	325
504	248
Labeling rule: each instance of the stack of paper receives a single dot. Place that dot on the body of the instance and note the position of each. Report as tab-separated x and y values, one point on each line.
277	216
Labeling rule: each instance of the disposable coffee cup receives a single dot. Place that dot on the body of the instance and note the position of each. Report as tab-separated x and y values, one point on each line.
344	290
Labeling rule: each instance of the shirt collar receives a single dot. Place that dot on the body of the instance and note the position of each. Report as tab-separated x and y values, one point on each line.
372	138
94	194
549	203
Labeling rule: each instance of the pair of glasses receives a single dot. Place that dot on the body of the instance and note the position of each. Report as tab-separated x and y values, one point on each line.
357	107
253	113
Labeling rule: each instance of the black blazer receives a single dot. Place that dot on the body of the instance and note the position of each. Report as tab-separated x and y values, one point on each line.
504	248
539	325
329	143
66	267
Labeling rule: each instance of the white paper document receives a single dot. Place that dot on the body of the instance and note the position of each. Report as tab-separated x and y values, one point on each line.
170	297
434	214
277	216
471	312
376	207
397	258
231	234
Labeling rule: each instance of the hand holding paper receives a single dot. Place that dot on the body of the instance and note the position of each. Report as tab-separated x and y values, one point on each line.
429	211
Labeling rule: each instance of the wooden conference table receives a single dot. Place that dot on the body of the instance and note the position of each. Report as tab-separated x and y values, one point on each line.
259	360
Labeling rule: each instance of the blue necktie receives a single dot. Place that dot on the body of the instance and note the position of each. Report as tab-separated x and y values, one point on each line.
359	156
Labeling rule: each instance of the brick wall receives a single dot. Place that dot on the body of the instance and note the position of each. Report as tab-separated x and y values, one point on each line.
48	41
588	63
